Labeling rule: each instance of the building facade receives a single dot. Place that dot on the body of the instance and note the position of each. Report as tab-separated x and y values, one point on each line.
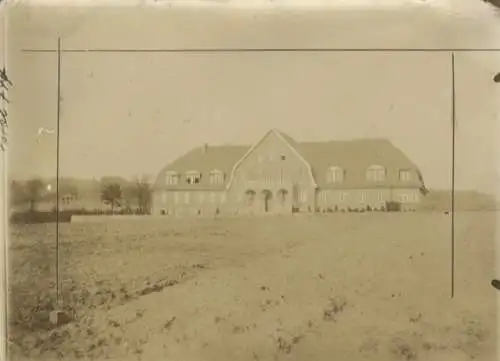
278	175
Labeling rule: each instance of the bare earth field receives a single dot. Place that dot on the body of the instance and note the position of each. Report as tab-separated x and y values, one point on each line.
372	286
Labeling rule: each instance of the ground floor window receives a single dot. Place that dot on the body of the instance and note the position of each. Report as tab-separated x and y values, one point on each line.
282	196
249	197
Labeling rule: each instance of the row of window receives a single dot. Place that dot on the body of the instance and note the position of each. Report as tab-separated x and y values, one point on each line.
404	197
216	177
374	173
249	196
188	197
270	157
334	175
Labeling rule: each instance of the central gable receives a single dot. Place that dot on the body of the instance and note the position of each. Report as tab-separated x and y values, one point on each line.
267	155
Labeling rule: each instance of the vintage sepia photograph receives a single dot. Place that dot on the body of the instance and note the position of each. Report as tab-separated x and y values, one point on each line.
271	182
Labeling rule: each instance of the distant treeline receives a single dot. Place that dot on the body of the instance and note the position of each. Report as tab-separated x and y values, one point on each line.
463	201
35	200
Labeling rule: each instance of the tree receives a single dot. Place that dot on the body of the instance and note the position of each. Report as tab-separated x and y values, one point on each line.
143	193
111	194
17	193
34	192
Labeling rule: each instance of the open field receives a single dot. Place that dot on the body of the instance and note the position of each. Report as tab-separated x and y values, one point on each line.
340	286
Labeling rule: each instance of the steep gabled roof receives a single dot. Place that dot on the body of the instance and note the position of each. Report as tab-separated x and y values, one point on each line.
354	156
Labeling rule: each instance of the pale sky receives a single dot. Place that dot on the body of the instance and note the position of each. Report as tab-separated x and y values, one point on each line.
128	113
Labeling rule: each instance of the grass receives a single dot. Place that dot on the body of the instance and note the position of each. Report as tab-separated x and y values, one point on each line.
330	275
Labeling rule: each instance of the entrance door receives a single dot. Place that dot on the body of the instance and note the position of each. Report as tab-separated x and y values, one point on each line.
283	200
267	200
295	198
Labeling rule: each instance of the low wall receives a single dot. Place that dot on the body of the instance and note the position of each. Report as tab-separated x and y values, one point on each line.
107	218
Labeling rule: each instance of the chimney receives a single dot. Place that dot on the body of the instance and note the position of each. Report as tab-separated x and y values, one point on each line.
205	148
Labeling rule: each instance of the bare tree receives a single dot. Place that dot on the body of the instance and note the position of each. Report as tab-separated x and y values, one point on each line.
111	194
17	193
34	192
143	193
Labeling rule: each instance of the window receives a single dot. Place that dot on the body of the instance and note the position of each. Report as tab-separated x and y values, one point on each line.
375	173
193	177
267	179
282	195
176	197
216	177
362	197
335	175
404	175
283	157
172	178
249	197
303	196
187	197
343	196
380	196
212	197
201	197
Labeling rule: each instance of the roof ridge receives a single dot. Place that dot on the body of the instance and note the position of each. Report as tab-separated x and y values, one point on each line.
346	140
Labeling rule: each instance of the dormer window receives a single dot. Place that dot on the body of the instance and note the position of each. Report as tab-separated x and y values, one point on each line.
335	175
216	177
376	173
404	175
172	178
193	177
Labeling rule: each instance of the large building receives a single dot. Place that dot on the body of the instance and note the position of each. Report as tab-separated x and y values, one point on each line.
280	175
